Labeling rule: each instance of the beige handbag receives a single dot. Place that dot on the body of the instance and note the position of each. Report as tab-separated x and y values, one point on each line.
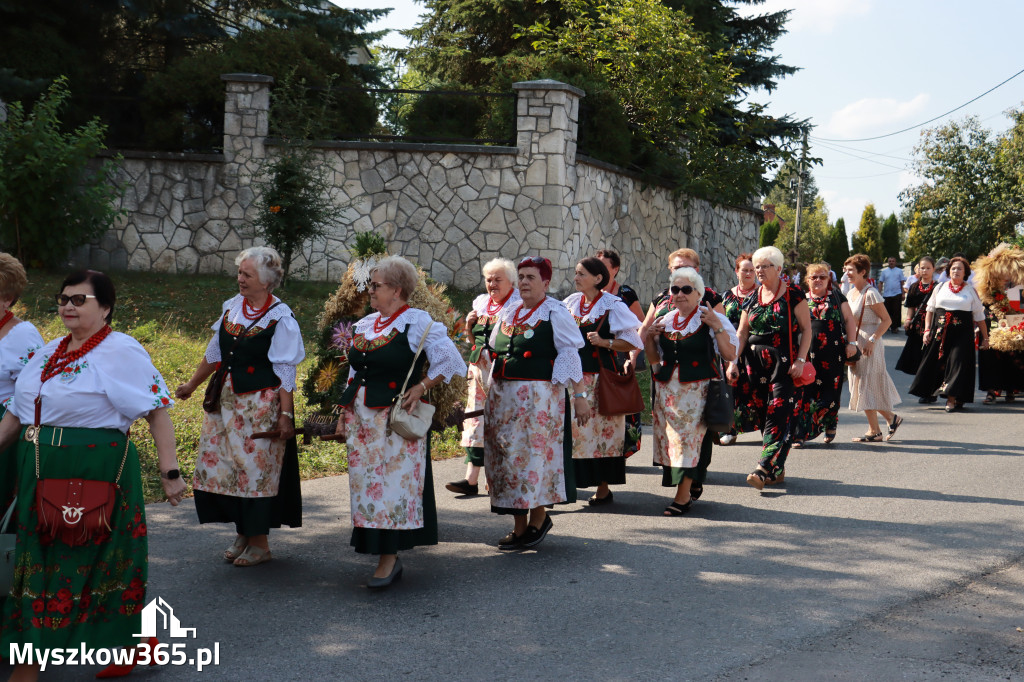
414	425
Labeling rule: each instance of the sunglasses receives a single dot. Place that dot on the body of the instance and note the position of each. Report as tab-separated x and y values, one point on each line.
819	276
373	286
532	260
77	300
687	290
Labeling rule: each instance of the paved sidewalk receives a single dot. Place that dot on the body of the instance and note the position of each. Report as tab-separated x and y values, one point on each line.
902	560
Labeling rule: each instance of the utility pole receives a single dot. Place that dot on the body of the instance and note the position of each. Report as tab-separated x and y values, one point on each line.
799	193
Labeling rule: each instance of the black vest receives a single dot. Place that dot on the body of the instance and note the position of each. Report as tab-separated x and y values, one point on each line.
381	365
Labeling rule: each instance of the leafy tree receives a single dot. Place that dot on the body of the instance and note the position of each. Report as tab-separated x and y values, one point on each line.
783	188
769	233
50	198
838	247
868	237
890	234
814	231
961	200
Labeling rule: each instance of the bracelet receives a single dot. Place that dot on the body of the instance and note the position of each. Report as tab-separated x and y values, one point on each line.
285	413
800	360
871	338
425	389
720	330
851	343
579	395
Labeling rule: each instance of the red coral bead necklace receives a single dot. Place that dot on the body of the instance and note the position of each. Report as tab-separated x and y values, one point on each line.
494	308
62	359
252	313
382	323
584	308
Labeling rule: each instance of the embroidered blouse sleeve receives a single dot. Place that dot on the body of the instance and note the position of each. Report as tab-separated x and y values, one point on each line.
977	307
933	300
624	324
213	348
729	329
130	381
444	357
568	341
286	351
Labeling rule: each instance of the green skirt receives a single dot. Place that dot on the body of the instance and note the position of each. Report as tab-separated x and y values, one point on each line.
385	541
673	476
64	596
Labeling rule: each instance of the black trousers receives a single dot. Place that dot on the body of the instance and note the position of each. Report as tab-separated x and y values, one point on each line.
894	306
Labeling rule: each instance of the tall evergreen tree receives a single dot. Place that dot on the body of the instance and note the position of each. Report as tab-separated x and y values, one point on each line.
838	249
891	237
868	238
769	233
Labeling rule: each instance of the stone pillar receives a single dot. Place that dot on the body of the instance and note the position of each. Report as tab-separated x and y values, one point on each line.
547	120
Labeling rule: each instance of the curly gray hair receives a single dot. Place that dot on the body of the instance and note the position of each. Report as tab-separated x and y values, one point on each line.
400	273
267	262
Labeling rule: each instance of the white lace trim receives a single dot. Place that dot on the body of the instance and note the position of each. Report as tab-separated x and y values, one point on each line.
481	301
445	359
603	304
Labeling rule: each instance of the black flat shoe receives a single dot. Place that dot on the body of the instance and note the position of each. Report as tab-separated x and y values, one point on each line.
510	542
696	491
927	400
394	576
596	501
676	509
463	487
534	536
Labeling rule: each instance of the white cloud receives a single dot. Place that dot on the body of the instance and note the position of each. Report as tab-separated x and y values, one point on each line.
819	16
844	206
874	115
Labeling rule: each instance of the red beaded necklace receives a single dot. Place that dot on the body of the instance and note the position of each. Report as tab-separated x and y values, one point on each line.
516	320
584	308
956	289
743	293
6	318
494	308
62	359
925	288
677	326
251	313
760	294
380	324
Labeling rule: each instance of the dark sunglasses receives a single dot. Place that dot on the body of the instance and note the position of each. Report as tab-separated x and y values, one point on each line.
77	300
533	260
819	277
687	289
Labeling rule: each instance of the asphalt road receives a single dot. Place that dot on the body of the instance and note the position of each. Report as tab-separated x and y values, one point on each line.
902	560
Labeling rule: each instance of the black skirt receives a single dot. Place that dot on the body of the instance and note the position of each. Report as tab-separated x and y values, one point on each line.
948	365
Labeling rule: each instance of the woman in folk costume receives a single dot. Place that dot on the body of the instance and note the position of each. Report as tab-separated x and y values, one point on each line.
684	346
916	303
500	278
608	326
252	483
81	580
390	482
527	446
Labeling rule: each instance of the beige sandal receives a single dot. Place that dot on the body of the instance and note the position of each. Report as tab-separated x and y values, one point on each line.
235	550
252	556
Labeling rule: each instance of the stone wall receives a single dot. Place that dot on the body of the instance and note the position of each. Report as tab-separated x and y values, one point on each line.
448	207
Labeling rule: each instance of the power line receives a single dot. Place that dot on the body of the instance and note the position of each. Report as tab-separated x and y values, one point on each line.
931	120
866	158
859	177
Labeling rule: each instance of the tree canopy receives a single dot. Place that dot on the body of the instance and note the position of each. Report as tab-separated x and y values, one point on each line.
868	237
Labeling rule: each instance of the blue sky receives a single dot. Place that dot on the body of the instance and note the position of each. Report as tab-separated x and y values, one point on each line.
871	67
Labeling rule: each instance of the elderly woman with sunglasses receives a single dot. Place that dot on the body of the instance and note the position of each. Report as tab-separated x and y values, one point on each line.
833	332
608	327
683	349
774	341
527	438
81	580
251	483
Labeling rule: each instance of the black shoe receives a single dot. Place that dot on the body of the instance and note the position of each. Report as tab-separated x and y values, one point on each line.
596	501
696	491
463	487
534	536
394	576
927	400
510	542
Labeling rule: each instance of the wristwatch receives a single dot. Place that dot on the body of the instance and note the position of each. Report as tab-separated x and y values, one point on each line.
871	338
720	330
579	395
171	475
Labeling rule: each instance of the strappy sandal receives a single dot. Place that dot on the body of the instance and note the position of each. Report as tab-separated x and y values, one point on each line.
776	480
696	491
757	478
829	437
869	438
235	550
990	398
252	556
676	509
896	421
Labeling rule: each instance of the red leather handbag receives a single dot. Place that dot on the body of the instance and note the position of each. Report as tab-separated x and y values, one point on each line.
809	374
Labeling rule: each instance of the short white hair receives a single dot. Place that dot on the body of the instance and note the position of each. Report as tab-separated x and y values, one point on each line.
691	276
399	273
504	265
770	254
267	262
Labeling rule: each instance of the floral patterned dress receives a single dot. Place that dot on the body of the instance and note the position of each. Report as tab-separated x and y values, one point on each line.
487	312
527	443
745	420
253	483
391	489
820	402
688	352
62	595
948	366
917	298
597	445
764	381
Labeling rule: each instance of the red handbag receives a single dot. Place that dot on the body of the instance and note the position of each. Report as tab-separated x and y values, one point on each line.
809	374
75	511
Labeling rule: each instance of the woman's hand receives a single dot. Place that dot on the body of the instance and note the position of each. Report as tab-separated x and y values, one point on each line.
797	369
412	396
339	428
926	336
286	425
174	490
583	411
471	319
984	344
732	373
657	327
709	317
851	350
185	391
867	346
598	341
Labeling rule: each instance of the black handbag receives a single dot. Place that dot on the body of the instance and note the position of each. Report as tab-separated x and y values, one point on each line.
719	409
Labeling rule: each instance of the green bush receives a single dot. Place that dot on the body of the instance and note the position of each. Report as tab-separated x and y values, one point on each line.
53	197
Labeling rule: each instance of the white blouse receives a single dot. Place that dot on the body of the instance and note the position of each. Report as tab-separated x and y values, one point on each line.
480	303
109	388
442	354
286	348
691	326
568	339
621	320
967	299
15	351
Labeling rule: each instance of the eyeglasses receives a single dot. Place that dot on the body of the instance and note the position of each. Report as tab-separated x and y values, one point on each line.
687	290
77	300
373	286
819	276
532	260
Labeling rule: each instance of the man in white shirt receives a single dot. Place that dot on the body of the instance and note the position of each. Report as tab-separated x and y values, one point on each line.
890	281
